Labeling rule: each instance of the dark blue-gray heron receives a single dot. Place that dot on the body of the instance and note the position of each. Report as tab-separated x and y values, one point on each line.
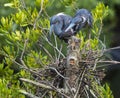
58	25
82	18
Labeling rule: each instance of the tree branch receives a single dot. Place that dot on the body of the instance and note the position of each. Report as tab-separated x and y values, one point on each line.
28	94
34	26
56	48
36	83
22	54
51	87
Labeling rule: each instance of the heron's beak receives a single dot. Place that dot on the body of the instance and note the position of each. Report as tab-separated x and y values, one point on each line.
69	27
50	33
90	21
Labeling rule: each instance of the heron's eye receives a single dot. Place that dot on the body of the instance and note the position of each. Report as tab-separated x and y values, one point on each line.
56	21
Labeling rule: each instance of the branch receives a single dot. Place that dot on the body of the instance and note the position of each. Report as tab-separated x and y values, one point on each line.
58	90
112	49
58	72
82	76
28	94
22	54
48	53
112	62
23	4
59	53
36	83
34	26
56	48
92	62
91	91
51	87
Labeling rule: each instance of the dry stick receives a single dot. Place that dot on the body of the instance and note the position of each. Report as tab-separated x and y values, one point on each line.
55	40
83	73
70	89
22	54
51	87
36	83
34	26
46	13
56	48
28	94
112	48
100	29
103	66
21	66
26	68
77	92
58	90
95	64
56	45
60	50
58	72
55	52
87	93
23	4
92	62
47	52
91	91
43	96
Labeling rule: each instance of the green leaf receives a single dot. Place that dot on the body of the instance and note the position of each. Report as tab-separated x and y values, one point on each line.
8	4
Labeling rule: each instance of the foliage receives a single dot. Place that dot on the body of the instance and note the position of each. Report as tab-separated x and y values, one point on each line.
24	45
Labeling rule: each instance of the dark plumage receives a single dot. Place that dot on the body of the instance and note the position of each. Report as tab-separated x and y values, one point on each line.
113	72
82	18
58	25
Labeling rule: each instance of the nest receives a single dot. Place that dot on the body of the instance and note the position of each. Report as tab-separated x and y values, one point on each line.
74	76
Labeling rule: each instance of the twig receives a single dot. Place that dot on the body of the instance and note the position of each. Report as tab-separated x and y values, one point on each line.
34	26
95	64
43	96
55	40
51	87
60	50
86	92
92	62
36	83
22	54
23	4
58	90
77	92
100	29
112	62
24	67
57	72
90	91
47	52
56	45
70	89
28	94
56	48
46	13
112	49
55	53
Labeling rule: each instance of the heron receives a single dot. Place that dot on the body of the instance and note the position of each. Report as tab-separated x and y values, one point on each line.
82	18
58	25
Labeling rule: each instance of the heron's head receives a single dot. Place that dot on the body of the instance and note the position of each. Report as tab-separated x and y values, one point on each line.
82	17
55	24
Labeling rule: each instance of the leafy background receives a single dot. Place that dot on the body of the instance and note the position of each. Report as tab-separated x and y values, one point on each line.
23	24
